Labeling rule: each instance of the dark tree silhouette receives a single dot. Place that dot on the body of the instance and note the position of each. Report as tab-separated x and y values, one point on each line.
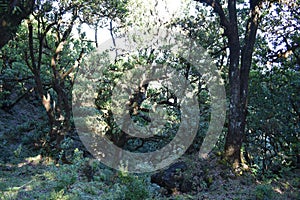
12	12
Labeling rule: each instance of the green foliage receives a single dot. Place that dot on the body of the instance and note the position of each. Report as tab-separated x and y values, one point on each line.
264	192
272	137
274	93
60	195
135	187
18	151
115	192
3	6
66	176
273	120
161	95
49	60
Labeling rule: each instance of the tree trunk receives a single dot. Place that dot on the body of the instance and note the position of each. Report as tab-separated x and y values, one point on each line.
234	136
59	113
239	68
239	94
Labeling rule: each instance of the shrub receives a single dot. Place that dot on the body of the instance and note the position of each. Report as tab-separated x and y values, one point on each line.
264	192
136	188
66	177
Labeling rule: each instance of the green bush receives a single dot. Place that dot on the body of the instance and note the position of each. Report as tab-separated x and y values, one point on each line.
136	188
66	177
59	195
264	192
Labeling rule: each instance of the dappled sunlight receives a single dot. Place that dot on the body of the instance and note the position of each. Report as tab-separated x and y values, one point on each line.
149	100
278	190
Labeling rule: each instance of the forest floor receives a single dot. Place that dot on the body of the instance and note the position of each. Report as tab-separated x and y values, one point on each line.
25	174
40	178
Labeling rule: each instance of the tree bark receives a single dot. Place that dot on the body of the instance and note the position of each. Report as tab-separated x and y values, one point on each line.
234	138
239	67
59	113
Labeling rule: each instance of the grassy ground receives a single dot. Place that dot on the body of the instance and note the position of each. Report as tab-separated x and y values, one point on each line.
24	174
40	178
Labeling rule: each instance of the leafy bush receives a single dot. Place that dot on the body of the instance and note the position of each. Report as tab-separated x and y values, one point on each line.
66	176
60	195
136	188
264	192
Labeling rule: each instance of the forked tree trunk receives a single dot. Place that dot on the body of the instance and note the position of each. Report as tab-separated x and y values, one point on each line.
59	113
240	58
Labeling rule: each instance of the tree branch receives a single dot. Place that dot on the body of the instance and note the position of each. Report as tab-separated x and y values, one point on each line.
215	4
77	63
30	32
60	45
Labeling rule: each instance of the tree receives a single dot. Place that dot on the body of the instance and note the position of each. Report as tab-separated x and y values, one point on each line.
53	54
272	139
12	13
54	25
241	48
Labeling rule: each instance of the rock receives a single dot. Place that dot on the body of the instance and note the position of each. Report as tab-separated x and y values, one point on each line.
172	178
186	186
